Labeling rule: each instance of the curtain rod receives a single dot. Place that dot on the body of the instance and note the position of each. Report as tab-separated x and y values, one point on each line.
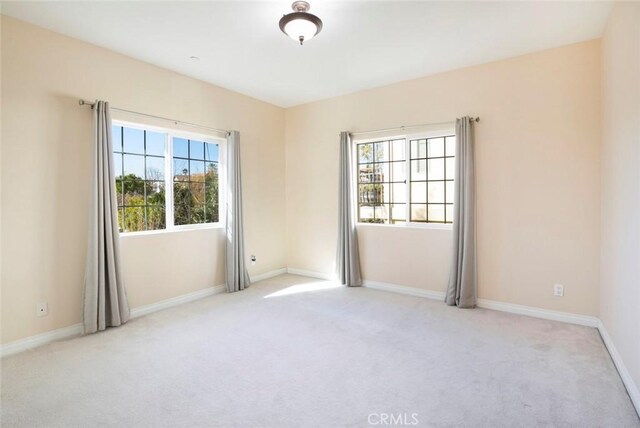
473	119
177	122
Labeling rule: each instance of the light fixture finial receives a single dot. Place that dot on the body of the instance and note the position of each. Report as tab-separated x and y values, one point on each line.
300	6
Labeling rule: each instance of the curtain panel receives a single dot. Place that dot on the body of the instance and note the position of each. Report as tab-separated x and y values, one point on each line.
105	298
462	287
236	275
348	257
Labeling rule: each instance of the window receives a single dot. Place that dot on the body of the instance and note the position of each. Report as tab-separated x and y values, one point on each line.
382	182
165	179
432	168
195	182
388	195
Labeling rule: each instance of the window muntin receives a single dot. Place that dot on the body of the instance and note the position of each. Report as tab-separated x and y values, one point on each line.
381	181
139	159
195	181
150	161
413	172
431	179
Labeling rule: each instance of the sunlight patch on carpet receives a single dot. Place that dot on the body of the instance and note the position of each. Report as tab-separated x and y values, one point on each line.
305	288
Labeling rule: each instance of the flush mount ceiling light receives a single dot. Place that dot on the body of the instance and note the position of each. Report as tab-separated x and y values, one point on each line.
300	25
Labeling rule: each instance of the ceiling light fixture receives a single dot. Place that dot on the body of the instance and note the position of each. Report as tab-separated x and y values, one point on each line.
300	25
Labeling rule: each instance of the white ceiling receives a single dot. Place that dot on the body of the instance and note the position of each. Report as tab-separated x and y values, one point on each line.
362	45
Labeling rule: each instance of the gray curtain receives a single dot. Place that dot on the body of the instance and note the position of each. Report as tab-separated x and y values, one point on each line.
105	299
462	289
348	259
236	274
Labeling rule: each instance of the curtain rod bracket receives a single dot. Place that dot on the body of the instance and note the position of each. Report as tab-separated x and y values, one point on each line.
84	103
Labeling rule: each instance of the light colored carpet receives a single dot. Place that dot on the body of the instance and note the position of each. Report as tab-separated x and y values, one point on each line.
293	352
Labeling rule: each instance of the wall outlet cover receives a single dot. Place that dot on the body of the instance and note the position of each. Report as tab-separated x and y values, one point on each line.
558	290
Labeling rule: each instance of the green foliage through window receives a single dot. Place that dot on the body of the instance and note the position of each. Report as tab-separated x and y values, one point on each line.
141	172
195	182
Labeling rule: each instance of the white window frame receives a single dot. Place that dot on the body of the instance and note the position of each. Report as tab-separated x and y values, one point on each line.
443	132
172	133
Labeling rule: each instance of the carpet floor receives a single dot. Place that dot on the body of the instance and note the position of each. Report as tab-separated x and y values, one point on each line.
298	352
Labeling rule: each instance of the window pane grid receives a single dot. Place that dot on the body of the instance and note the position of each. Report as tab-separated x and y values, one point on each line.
195	189
140	172
431	163
381	181
142	176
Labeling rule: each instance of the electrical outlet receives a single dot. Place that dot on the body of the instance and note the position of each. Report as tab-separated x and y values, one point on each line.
253	259
42	309
558	290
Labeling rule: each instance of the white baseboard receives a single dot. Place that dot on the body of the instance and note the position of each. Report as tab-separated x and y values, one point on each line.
174	301
402	289
513	308
40	339
311	274
632	388
76	329
268	275
546	314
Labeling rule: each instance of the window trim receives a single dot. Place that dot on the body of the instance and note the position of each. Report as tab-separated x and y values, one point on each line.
172	133
442	132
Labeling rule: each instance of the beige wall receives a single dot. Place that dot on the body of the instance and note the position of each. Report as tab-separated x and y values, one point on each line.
620	262
46	165
538	178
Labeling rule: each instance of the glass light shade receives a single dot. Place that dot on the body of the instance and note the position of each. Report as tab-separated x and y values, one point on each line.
300	28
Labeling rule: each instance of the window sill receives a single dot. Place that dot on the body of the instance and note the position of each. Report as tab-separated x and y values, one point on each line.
176	229
431	226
